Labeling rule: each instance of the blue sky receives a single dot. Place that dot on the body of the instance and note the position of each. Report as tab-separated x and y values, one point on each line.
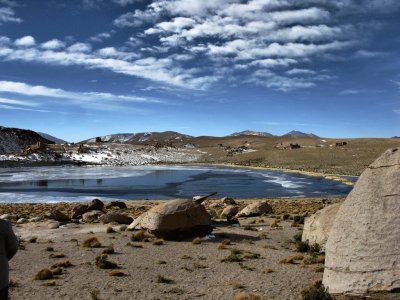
82	68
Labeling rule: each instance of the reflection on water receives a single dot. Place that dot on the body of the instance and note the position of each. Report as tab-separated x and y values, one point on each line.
157	182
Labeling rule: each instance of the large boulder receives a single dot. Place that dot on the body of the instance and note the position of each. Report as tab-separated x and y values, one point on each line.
363	247
96	204
175	220
79	210
317	227
229	212
92	216
111	217
57	215
255	209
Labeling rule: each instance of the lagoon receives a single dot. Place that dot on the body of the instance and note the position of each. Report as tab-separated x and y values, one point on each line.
73	184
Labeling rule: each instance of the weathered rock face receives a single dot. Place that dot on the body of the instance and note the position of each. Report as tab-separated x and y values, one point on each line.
255	209
119	204
317	227
175	220
363	248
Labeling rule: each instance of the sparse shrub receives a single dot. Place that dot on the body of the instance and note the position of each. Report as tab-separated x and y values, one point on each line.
134	245
91	242
315	291
302	247
109	250
64	264
103	263
197	241
117	273
318	269
139	236
50	249
315	248
268	271
234	256
251	255
43	274
297	237
292	259
186	257
162	262
158	242
162	279
56	271
33	239
250	228
110	230
50	283
246	296
57	255
199	266
275	224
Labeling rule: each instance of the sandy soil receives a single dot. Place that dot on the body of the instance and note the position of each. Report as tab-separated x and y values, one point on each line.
196	271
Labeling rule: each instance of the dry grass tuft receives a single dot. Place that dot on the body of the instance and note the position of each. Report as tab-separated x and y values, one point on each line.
292	259
50	283
57	255
109	250
110	230
91	242
43	274
315	291
197	241
103	263
158	242
117	273
162	279
64	264
246	296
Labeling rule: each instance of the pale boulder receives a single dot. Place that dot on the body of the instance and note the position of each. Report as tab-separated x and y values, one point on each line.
317	227
175	220
363	248
255	209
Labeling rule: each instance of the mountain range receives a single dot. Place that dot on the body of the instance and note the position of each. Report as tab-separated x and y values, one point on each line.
14	139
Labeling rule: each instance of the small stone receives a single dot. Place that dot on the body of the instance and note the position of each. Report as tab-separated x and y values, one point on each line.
22	221
53	225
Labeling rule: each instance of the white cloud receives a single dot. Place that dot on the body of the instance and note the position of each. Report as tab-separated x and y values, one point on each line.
26	41
10	107
16	102
80	47
53	44
22	88
368	54
297	71
126	2
350	92
101	37
7	15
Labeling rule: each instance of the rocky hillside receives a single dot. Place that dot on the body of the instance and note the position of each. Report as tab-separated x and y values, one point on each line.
13	139
143	137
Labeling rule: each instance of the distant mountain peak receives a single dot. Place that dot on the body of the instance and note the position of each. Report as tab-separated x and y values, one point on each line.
251	132
295	133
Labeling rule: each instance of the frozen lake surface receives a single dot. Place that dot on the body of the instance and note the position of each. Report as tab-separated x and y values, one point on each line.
67	183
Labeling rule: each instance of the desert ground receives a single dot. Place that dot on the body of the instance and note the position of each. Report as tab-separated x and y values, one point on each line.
258	258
